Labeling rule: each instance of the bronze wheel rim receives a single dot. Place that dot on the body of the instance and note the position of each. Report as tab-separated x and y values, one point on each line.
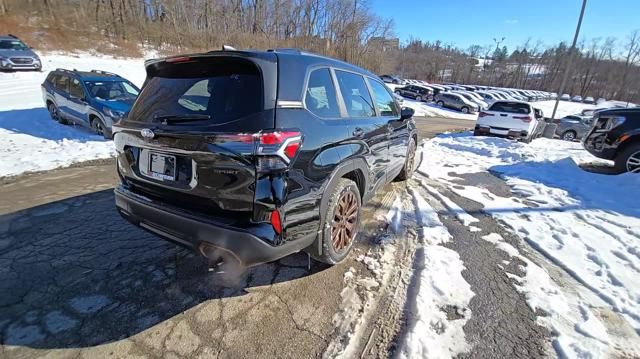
345	221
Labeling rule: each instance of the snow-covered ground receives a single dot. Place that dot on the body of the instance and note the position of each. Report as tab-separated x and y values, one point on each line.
585	223
440	284
29	139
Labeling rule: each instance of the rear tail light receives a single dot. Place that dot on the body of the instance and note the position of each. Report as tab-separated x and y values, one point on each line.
523	118
175	60
276	223
273	149
484	114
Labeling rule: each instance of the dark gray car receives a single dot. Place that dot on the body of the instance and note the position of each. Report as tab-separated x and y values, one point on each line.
15	55
571	128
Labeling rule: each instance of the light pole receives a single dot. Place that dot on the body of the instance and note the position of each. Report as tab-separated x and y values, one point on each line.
569	60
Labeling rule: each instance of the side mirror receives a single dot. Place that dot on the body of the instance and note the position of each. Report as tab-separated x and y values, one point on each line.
406	113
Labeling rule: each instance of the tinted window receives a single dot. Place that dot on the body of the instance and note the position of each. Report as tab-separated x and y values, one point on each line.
51	78
111	90
75	89
384	101
223	89
62	82
511	107
320	96
12	45
355	94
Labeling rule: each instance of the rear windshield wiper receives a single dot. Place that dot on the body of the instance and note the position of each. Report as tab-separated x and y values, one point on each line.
181	118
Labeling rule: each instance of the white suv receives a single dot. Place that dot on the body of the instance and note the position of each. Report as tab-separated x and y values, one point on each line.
513	119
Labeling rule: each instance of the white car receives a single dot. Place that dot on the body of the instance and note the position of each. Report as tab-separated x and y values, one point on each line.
565	97
512	119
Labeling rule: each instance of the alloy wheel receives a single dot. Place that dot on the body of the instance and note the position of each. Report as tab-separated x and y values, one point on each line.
53	111
569	136
97	127
633	162
345	221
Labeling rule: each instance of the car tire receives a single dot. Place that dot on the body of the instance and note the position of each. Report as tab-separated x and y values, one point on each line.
418	98
55	114
464	109
569	135
409	162
336	238
440	103
398	93
99	128
628	160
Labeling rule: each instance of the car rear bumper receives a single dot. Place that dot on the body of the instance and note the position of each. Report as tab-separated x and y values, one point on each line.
481	130
209	238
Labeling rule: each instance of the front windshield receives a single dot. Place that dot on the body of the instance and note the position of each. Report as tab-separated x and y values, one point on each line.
12	45
112	90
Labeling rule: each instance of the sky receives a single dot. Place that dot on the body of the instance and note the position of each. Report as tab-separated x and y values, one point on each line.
467	22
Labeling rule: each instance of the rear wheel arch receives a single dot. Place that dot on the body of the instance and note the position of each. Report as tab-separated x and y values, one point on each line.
354	170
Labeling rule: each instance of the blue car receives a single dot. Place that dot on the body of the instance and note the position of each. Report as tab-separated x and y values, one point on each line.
95	99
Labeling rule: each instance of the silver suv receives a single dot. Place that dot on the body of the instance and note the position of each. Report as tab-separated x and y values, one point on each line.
457	102
15	55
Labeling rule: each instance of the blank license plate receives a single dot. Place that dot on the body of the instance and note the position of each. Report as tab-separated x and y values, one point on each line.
499	132
162	167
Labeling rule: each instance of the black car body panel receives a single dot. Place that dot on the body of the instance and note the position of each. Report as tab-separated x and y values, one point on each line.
218	173
608	136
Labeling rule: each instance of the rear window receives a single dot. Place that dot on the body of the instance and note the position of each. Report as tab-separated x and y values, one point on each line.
511	107
223	89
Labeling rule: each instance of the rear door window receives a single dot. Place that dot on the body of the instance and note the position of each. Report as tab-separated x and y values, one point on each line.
75	89
355	94
62	83
510	107
218	90
320	95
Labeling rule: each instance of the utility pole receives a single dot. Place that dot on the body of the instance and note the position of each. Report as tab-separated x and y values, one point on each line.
569	60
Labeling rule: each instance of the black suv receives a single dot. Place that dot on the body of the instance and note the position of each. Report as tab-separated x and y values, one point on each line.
253	155
415	92
615	135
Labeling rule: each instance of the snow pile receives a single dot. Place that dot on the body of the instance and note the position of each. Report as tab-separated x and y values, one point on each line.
440	288
29	139
587	224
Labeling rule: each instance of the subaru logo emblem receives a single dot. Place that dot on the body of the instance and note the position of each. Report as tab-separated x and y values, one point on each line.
147	133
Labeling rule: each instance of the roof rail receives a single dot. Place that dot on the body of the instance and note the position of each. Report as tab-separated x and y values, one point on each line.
12	35
228	48
290	50
104	73
65	70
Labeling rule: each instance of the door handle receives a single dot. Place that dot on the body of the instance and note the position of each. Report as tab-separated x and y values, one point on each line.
358	132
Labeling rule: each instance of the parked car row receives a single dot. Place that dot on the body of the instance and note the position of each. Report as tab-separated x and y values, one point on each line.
464	98
578	98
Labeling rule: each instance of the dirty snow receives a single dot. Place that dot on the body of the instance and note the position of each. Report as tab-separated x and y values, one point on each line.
440	285
361	289
587	224
29	139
